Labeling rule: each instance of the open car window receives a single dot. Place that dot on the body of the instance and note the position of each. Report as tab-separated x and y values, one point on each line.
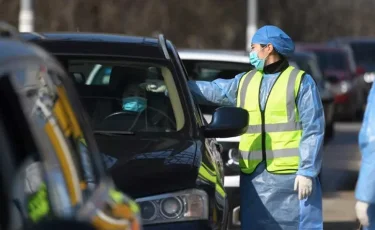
114	95
211	70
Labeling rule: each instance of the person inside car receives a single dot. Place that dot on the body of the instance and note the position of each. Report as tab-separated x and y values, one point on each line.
140	110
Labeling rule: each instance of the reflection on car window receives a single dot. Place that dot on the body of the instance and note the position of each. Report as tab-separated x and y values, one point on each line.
115	96
329	60
54	124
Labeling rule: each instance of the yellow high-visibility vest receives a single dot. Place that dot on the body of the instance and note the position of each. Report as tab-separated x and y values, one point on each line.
274	134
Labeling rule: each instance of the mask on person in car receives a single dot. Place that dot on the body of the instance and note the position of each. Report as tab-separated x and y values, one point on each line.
134	104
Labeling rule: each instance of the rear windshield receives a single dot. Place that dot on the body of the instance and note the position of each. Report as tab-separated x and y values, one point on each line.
115	97
364	53
332	60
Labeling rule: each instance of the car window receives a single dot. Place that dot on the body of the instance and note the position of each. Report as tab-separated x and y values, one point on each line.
99	75
197	111
314	70
332	60
294	64
309	65
115	96
303	64
211	70
364	53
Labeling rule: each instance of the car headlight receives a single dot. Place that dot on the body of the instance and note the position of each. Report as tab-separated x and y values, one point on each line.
369	77
341	87
185	205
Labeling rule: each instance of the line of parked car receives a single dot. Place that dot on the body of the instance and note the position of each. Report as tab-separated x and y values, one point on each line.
177	159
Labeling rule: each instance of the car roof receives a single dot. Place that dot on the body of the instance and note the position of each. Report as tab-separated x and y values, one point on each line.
237	56
304	54
354	39
98	44
317	47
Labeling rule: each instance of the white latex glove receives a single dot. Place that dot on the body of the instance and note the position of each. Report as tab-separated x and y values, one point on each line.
304	186
361	211
155	86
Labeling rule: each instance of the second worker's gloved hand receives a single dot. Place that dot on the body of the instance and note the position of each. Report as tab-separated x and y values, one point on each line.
155	86
361	211
303	185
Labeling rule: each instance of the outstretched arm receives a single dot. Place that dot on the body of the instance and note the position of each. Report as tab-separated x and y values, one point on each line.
219	91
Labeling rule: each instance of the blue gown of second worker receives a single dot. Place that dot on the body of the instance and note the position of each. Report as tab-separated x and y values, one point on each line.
268	201
365	190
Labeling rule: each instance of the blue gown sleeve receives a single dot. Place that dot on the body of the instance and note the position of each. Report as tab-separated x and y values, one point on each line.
219	92
311	114
365	190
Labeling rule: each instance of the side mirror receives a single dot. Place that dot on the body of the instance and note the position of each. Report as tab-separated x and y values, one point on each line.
227	122
332	79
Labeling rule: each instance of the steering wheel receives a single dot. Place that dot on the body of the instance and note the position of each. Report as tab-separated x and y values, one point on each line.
119	113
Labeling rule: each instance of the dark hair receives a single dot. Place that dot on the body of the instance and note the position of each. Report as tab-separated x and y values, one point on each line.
274	51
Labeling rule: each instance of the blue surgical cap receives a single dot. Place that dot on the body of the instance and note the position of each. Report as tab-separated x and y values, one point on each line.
282	43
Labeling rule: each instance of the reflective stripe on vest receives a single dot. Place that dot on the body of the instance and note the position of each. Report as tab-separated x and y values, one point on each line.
274	133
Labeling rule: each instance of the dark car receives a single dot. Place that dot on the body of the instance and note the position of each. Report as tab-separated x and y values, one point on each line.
362	49
48	149
308	62
167	157
335	64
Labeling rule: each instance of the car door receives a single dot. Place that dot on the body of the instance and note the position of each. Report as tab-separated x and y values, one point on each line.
212	150
212	146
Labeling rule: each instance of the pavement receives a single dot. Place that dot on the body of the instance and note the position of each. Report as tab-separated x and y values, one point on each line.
341	161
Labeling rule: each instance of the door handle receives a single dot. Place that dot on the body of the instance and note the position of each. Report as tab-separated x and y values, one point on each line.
236	216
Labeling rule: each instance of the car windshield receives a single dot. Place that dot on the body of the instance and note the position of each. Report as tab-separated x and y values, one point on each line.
211	70
308	65
115	97
332	60
364	53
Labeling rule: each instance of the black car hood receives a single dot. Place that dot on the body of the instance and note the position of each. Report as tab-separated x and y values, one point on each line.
148	166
